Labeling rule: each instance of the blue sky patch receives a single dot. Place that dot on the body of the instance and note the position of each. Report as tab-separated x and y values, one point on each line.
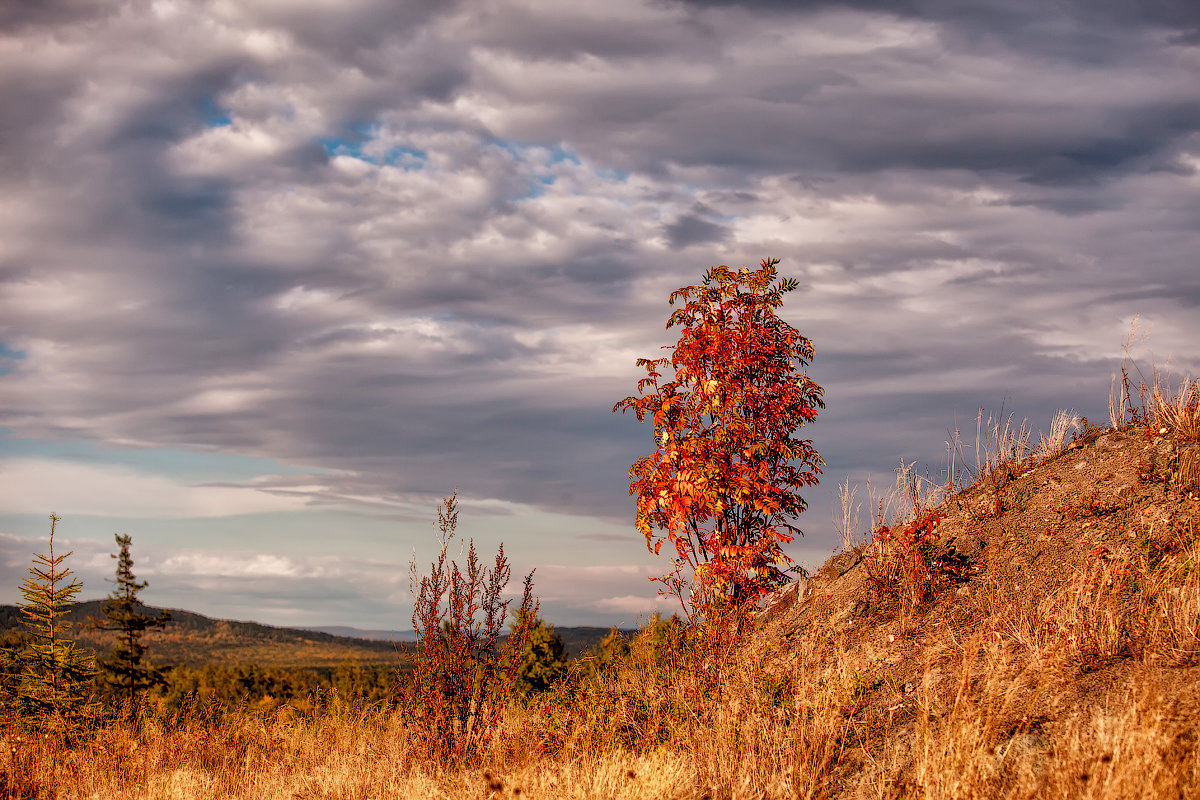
356	140
537	186
612	174
7	356
214	116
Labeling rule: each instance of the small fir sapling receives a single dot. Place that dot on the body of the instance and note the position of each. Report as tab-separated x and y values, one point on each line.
53	676
545	660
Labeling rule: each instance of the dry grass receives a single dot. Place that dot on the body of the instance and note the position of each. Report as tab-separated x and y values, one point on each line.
1051	445
994	713
1168	406
653	727
1176	410
846	517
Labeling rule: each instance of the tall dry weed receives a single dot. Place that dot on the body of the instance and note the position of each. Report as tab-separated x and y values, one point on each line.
1054	443
464	677
847	518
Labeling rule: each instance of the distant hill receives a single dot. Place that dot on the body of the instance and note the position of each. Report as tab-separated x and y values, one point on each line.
578	640
193	640
372	635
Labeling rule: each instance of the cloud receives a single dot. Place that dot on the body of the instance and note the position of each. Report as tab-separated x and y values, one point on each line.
229	566
639	605
37	486
294	589
691	229
414	246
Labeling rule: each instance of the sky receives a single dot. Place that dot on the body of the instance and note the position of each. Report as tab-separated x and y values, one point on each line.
276	276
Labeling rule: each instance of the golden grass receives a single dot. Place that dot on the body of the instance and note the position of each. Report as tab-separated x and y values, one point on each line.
1176	410
996	711
676	720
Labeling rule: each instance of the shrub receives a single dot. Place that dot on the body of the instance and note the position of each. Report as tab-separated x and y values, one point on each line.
904	564
545	658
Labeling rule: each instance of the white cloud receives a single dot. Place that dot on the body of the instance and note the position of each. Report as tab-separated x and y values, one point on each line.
36	486
265	565
638	605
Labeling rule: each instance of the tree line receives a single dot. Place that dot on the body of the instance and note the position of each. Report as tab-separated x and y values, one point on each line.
48	681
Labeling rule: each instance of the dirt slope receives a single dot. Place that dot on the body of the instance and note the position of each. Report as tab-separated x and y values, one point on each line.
1063	586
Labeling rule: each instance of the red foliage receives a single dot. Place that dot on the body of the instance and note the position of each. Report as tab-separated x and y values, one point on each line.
722	485
907	564
921	532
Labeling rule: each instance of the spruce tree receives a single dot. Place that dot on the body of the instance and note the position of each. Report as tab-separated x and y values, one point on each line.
545	659
124	672
53	676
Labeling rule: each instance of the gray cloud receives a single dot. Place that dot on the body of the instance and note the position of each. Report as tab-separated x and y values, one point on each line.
422	244
691	229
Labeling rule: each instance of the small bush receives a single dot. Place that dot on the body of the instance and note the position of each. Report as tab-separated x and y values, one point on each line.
904	564
545	658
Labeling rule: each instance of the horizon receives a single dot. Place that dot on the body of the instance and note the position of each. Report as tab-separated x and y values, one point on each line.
325	628
274	280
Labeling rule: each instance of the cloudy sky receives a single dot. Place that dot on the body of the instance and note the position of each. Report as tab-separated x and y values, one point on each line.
276	275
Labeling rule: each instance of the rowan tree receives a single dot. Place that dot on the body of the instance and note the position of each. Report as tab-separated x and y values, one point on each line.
125	672
723	484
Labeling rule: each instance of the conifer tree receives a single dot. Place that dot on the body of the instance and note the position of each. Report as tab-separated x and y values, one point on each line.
545	658
54	676
124	671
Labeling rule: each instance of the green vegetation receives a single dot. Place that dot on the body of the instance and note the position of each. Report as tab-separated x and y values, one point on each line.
264	688
545	661
49	677
124	672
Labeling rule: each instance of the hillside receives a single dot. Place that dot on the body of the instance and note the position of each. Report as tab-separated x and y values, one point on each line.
1062	607
576	639
378	635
